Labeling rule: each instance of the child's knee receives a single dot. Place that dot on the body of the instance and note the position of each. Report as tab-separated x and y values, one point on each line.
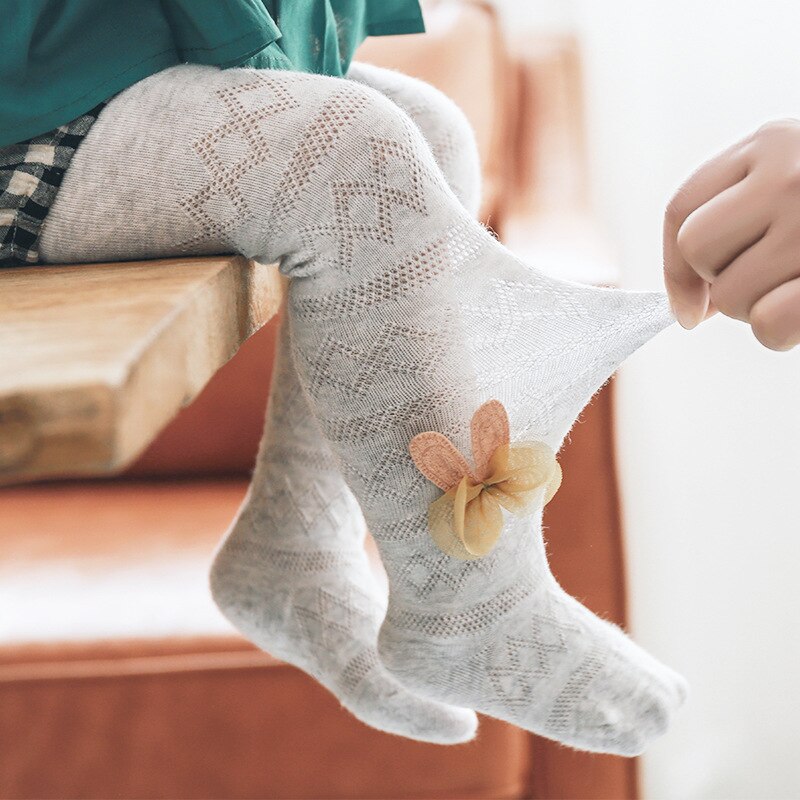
439	114
452	140
383	117
435	131
449	135
436	114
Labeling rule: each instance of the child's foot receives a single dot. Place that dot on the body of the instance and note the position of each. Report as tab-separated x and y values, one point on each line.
292	575
531	655
320	610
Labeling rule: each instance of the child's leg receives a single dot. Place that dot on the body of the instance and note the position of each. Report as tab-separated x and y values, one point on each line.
292	574
405	315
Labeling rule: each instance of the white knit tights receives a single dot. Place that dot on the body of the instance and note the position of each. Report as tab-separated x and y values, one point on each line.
404	317
292	573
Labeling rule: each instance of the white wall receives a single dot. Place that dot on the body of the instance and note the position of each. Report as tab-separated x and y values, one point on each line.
710	421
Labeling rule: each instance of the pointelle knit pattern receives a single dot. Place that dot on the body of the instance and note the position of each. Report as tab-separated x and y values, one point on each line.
404	316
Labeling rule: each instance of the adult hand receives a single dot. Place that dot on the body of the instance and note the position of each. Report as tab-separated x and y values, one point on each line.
732	237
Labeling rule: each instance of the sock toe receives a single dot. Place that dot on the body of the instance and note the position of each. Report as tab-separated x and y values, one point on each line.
384	704
645	716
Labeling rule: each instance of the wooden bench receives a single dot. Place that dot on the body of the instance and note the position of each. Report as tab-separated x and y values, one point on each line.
95	359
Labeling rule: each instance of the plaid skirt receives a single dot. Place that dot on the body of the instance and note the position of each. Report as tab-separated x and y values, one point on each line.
30	174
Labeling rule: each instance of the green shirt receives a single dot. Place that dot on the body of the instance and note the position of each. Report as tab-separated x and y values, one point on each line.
60	58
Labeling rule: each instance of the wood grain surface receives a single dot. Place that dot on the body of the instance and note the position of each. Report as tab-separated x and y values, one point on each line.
95	359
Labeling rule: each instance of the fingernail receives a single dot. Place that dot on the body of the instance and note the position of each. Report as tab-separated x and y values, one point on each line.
689	316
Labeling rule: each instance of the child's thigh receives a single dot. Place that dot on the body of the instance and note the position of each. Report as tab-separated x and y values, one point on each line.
191	160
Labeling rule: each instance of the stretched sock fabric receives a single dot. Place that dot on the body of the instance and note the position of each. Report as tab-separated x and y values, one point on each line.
405	318
292	573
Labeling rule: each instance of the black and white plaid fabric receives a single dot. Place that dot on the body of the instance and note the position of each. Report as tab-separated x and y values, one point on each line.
30	174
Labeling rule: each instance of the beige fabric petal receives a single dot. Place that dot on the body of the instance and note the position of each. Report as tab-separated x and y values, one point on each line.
483	524
442	529
465	493
554	485
518	472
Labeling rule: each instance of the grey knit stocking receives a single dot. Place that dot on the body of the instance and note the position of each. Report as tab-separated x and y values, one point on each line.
292	574
405	317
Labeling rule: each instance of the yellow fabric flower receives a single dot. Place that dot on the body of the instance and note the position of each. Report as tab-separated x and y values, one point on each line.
467	520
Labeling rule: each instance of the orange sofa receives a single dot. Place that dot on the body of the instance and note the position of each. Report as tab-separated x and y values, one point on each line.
118	677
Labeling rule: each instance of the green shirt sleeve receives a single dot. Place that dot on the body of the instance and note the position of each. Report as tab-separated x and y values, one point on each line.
197	35
60	58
